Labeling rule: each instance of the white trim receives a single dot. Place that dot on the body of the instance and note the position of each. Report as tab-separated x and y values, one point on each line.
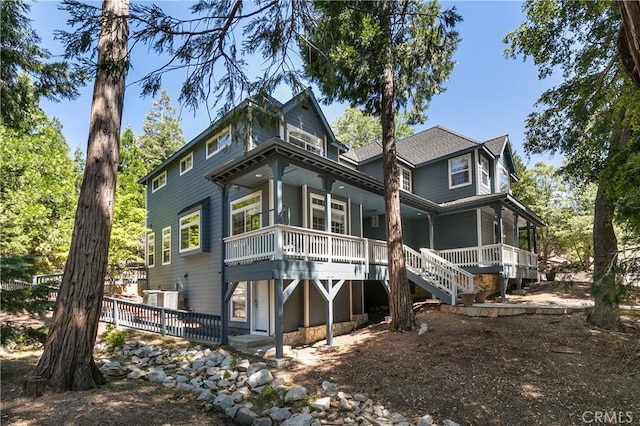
153	246
306	303
184	159
168	262
189	225
350	300
244	209
470	171
305	140
361	222
480	174
157	179
479	226
271	206
402	169
305	206
246	303
333	201
217	137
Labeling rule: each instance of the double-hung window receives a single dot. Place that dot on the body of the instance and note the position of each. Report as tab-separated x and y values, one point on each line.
460	171
246	214
186	163
218	141
483	172
166	245
338	215
151	249
159	181
405	178
503	179
190	232
238	302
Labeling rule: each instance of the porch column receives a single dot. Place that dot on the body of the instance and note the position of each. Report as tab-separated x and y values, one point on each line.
498	216
430	219
329	313
279	318
224	309
528	236
516	231
277	167
327	184
535	239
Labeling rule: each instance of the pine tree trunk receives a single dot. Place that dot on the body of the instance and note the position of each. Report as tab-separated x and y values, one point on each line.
605	245
629	38
403	317
67	361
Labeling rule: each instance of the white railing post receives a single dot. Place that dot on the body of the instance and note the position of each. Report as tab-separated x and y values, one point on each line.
366	255
116	320
278	243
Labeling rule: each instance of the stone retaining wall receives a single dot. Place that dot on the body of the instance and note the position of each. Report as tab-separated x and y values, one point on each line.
309	335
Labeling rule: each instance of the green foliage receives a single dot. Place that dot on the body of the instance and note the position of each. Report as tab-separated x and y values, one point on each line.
114	338
22	61
162	133
349	67
23	337
37	197
268	393
33	299
127	233
357	129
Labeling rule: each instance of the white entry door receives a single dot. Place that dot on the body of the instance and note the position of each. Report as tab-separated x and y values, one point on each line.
260	308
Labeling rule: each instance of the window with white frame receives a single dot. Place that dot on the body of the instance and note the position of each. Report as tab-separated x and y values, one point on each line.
186	163
190	232
503	179
151	249
460	171
338	215
218	141
166	245
483	171
159	181
405	179
246	214
305	140
238	303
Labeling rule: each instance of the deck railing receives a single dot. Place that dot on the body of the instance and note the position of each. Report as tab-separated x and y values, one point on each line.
170	322
490	255
278	242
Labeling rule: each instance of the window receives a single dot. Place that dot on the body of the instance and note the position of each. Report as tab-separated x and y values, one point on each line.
405	179
159	182
459	171
246	214
306	140
219	141
190	232
166	246
238	302
503	179
186	163
483	171
151	249
338	215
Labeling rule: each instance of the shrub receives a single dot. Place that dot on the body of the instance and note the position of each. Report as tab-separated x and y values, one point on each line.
114	338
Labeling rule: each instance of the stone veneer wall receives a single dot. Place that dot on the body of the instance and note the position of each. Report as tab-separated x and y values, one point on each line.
310	335
490	282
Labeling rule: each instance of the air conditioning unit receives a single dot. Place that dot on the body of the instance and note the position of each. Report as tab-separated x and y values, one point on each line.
169	299
151	297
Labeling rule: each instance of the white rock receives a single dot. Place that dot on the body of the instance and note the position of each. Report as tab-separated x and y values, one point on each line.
300	419
259	378
448	422
425	420
205	395
329	388
322	403
280	414
155	376
296	394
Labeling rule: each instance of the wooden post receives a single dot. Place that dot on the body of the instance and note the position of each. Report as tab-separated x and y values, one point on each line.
163	321
329	314
116	320
279	318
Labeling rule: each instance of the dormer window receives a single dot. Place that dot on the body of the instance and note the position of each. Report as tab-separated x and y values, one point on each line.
483	172
306	140
460	171
405	179
503	179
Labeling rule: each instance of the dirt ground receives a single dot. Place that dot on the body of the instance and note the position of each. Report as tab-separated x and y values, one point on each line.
525	370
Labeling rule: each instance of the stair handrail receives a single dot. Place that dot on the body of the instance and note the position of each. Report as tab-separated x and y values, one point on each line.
462	278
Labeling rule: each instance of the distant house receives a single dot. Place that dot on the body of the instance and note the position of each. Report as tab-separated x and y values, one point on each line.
279	228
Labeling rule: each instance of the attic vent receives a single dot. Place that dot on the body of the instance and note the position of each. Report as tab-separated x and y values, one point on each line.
305	107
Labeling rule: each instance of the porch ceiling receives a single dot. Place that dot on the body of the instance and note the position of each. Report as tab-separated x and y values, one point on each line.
305	168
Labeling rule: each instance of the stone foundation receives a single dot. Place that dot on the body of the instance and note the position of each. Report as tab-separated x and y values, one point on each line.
309	335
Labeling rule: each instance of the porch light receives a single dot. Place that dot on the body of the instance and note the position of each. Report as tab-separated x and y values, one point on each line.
258	175
375	221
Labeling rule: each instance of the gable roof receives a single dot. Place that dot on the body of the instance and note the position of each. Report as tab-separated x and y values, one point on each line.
423	147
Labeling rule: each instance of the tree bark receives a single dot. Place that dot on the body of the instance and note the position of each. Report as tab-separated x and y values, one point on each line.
605	246
403	317
67	361
629	39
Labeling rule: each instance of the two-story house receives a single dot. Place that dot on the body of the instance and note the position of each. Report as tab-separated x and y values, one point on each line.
279	228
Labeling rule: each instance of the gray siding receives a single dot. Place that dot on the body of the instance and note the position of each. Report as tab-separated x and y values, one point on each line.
292	198
488	227
457	230
432	182
415	233
197	275
294	309
358	295
374	169
304	117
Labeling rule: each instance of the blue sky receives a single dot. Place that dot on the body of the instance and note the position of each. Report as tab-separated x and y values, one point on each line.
487	95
